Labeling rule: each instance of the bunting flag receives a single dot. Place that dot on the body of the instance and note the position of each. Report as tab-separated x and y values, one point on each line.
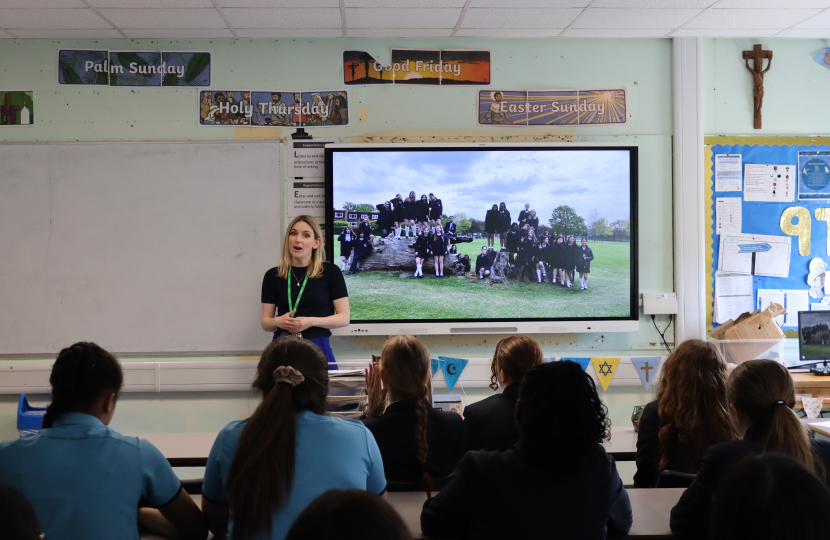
646	367
435	365
581	361
605	368
452	368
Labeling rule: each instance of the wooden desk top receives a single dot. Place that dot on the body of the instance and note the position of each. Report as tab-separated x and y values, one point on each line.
822	430
192	449
808	380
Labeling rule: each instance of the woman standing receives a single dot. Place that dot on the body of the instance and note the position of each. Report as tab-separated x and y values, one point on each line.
504	223
438	248
512	242
541	258
346	240
583	263
385	218
397	214
362	247
422	249
559	255
526	249
570	258
304	296
491	225
436	210
408	206
422	212
532	220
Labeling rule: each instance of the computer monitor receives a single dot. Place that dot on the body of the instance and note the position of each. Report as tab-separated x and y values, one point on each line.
813	336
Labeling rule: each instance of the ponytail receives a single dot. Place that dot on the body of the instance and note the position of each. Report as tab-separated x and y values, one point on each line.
291	376
80	375
764	391
514	355
421	447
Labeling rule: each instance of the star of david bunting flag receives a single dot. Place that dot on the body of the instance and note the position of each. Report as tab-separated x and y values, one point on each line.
581	361
646	367
605	368
435	365
452	368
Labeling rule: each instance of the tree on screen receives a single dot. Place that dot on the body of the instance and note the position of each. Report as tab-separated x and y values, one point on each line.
358	207
622	228
564	220
600	228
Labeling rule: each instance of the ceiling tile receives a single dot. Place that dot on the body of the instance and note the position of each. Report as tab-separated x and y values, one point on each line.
766	4
805	33
818	22
749	18
155	4
506	4
405	3
402	18
508	32
519	18
634	18
101	33
666	4
280	3
178	33
616	32
399	32
283	18
42	4
723	32
51	18
164	18
289	32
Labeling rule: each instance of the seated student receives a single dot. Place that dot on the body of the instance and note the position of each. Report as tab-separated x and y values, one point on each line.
17	517
490	424
688	416
483	263
557	482
418	443
83	479
362	248
263	471
761	395
770	497
350	514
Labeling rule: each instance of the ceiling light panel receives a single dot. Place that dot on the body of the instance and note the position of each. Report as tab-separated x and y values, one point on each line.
164	18
31	4
280	3
399	32
93	33
289	33
405	3
634	18
519	18
508	32
402	18
507	4
283	18
664	4
723	32
768	4
749	18
48	19
805	33
177	33
617	32
150	4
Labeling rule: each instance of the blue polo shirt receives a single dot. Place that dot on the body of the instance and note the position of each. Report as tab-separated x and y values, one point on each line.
85	480
331	453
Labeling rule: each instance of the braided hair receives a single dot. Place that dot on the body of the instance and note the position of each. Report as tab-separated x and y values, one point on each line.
80	375
514	356
405	364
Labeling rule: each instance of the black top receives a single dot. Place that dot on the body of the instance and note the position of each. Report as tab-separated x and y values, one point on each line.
533	222
422	244
504	220
648	445
385	216
512	241
690	517
317	297
543	252
523	215
449	228
436	209
409	208
483	261
394	432
346	245
490	424
397	208
558	255
422	210
584	258
365	228
491	221
502	495
438	245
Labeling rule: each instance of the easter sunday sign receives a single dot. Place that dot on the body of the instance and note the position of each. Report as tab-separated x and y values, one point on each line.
133	68
552	107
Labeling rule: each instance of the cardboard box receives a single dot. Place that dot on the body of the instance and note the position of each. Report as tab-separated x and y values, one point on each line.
752	335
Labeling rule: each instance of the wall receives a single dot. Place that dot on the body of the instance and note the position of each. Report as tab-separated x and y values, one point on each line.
643	66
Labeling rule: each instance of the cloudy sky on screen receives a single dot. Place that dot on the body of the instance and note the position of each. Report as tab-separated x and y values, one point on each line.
472	181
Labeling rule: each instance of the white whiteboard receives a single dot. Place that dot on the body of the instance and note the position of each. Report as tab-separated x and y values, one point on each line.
140	247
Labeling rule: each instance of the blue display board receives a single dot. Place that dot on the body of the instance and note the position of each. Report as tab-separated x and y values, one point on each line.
765	217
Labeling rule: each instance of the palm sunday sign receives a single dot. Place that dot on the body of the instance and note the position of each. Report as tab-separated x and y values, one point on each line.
133	68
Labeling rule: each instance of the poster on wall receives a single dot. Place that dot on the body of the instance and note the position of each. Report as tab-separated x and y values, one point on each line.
552	107
133	68
813	175
257	108
306	168
424	67
17	108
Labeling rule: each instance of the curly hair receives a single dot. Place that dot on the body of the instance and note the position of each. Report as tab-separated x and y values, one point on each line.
514	356
560	415
693	411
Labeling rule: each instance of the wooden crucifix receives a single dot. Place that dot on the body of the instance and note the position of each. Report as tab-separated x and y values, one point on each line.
757	55
8	112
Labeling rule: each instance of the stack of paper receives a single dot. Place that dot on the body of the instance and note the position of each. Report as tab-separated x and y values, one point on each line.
757	255
733	296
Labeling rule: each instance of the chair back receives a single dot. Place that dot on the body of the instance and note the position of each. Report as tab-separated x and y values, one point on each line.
674	479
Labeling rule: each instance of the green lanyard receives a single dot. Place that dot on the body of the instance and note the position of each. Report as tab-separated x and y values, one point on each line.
292	305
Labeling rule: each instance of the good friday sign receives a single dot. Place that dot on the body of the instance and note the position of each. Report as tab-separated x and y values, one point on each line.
418	67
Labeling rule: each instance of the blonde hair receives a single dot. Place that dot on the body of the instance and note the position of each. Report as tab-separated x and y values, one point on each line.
315	269
405	364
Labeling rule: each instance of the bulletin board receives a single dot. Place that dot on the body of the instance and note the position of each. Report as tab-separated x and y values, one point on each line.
763	218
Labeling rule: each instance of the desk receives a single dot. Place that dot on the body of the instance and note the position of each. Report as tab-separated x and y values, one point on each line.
821	430
807	383
183	449
192	449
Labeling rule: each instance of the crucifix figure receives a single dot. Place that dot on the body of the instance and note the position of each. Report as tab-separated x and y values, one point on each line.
352	67
8	112
757	55
647	368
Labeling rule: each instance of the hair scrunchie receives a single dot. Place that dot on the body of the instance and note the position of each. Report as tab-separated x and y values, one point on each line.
288	375
778	402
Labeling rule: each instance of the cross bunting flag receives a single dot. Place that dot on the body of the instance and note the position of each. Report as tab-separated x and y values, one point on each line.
452	368
581	361
435	365
605	368
646	367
